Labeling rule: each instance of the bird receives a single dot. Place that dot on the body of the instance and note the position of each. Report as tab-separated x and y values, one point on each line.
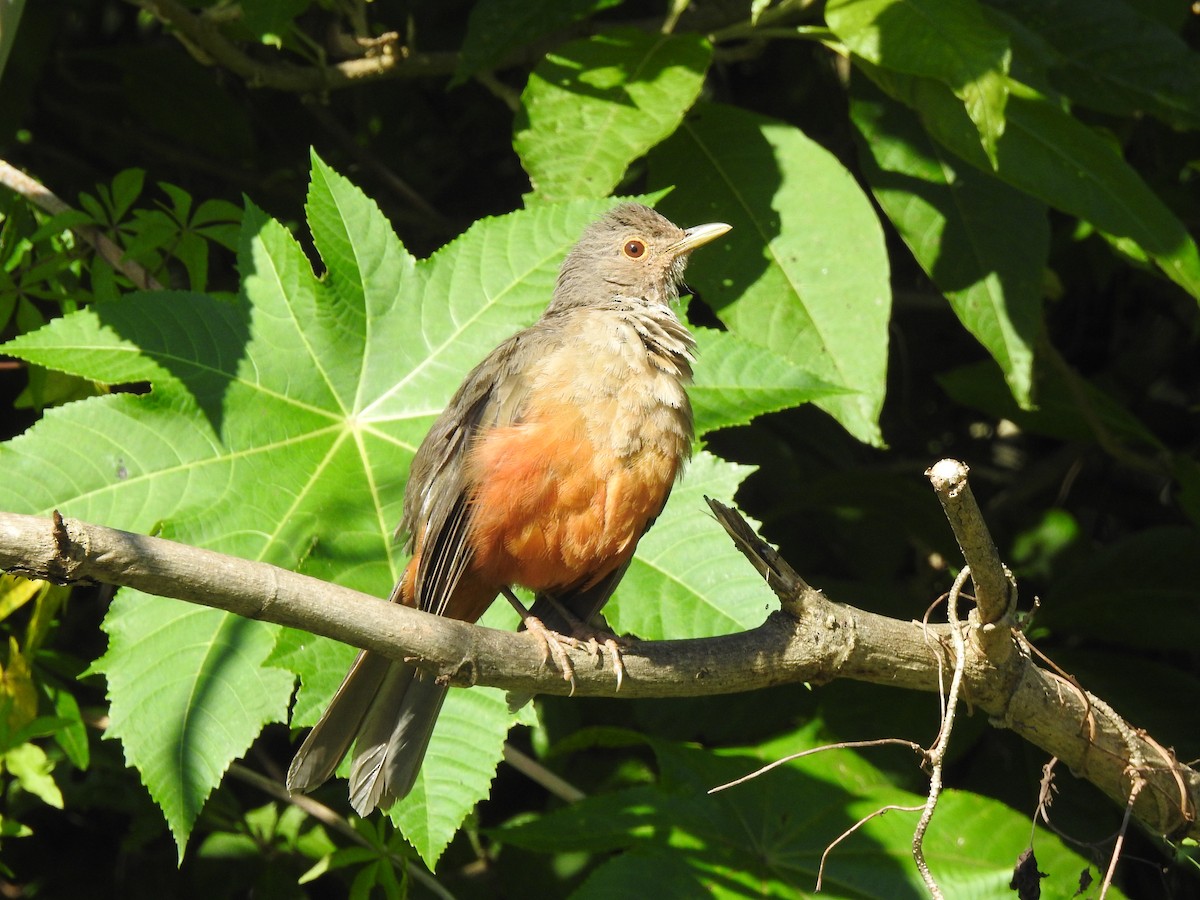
552	459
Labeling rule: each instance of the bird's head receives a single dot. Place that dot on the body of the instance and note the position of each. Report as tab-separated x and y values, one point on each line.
632	252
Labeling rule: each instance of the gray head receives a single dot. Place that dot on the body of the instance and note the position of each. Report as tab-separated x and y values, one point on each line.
631	252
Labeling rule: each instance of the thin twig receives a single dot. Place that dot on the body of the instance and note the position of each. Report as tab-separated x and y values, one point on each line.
937	754
1186	806
45	199
853	828
933	643
678	7
1046	791
776	17
1134	790
535	771
841	745
498	89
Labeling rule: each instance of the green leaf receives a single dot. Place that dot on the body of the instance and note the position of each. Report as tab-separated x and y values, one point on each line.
269	21
10	17
40	727
1065	411
948	40
93	208
680	837
688	579
593	106
11	828
804	273
1052	156
182	725
29	318
1113	57
278	428
1156	572
984	244
378	874
126	188
498	28
666	875
737	380
71	736
30	766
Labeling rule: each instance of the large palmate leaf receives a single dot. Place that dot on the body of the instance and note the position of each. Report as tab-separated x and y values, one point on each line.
804	273
280	427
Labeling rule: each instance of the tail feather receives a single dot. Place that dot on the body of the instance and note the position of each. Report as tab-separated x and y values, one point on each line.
319	755
393	738
387	709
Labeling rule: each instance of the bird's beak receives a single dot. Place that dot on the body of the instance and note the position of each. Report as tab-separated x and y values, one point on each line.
698	236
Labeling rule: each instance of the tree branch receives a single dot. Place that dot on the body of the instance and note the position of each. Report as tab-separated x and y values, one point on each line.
777	652
204	39
949	479
1040	706
814	640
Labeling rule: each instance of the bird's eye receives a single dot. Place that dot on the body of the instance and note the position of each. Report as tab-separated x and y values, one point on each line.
634	249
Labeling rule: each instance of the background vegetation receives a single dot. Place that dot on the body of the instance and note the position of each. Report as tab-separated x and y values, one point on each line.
960	228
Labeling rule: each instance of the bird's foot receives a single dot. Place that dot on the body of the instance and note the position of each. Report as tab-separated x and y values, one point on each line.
597	640
554	645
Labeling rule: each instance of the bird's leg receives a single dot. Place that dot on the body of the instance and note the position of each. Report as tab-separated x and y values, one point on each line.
594	637
552	642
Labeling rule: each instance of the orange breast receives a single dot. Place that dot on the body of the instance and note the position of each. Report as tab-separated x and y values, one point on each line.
558	500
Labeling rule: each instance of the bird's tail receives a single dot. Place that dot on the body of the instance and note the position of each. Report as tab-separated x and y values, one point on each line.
387	709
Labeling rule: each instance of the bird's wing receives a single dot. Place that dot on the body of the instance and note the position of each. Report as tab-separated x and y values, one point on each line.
437	509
